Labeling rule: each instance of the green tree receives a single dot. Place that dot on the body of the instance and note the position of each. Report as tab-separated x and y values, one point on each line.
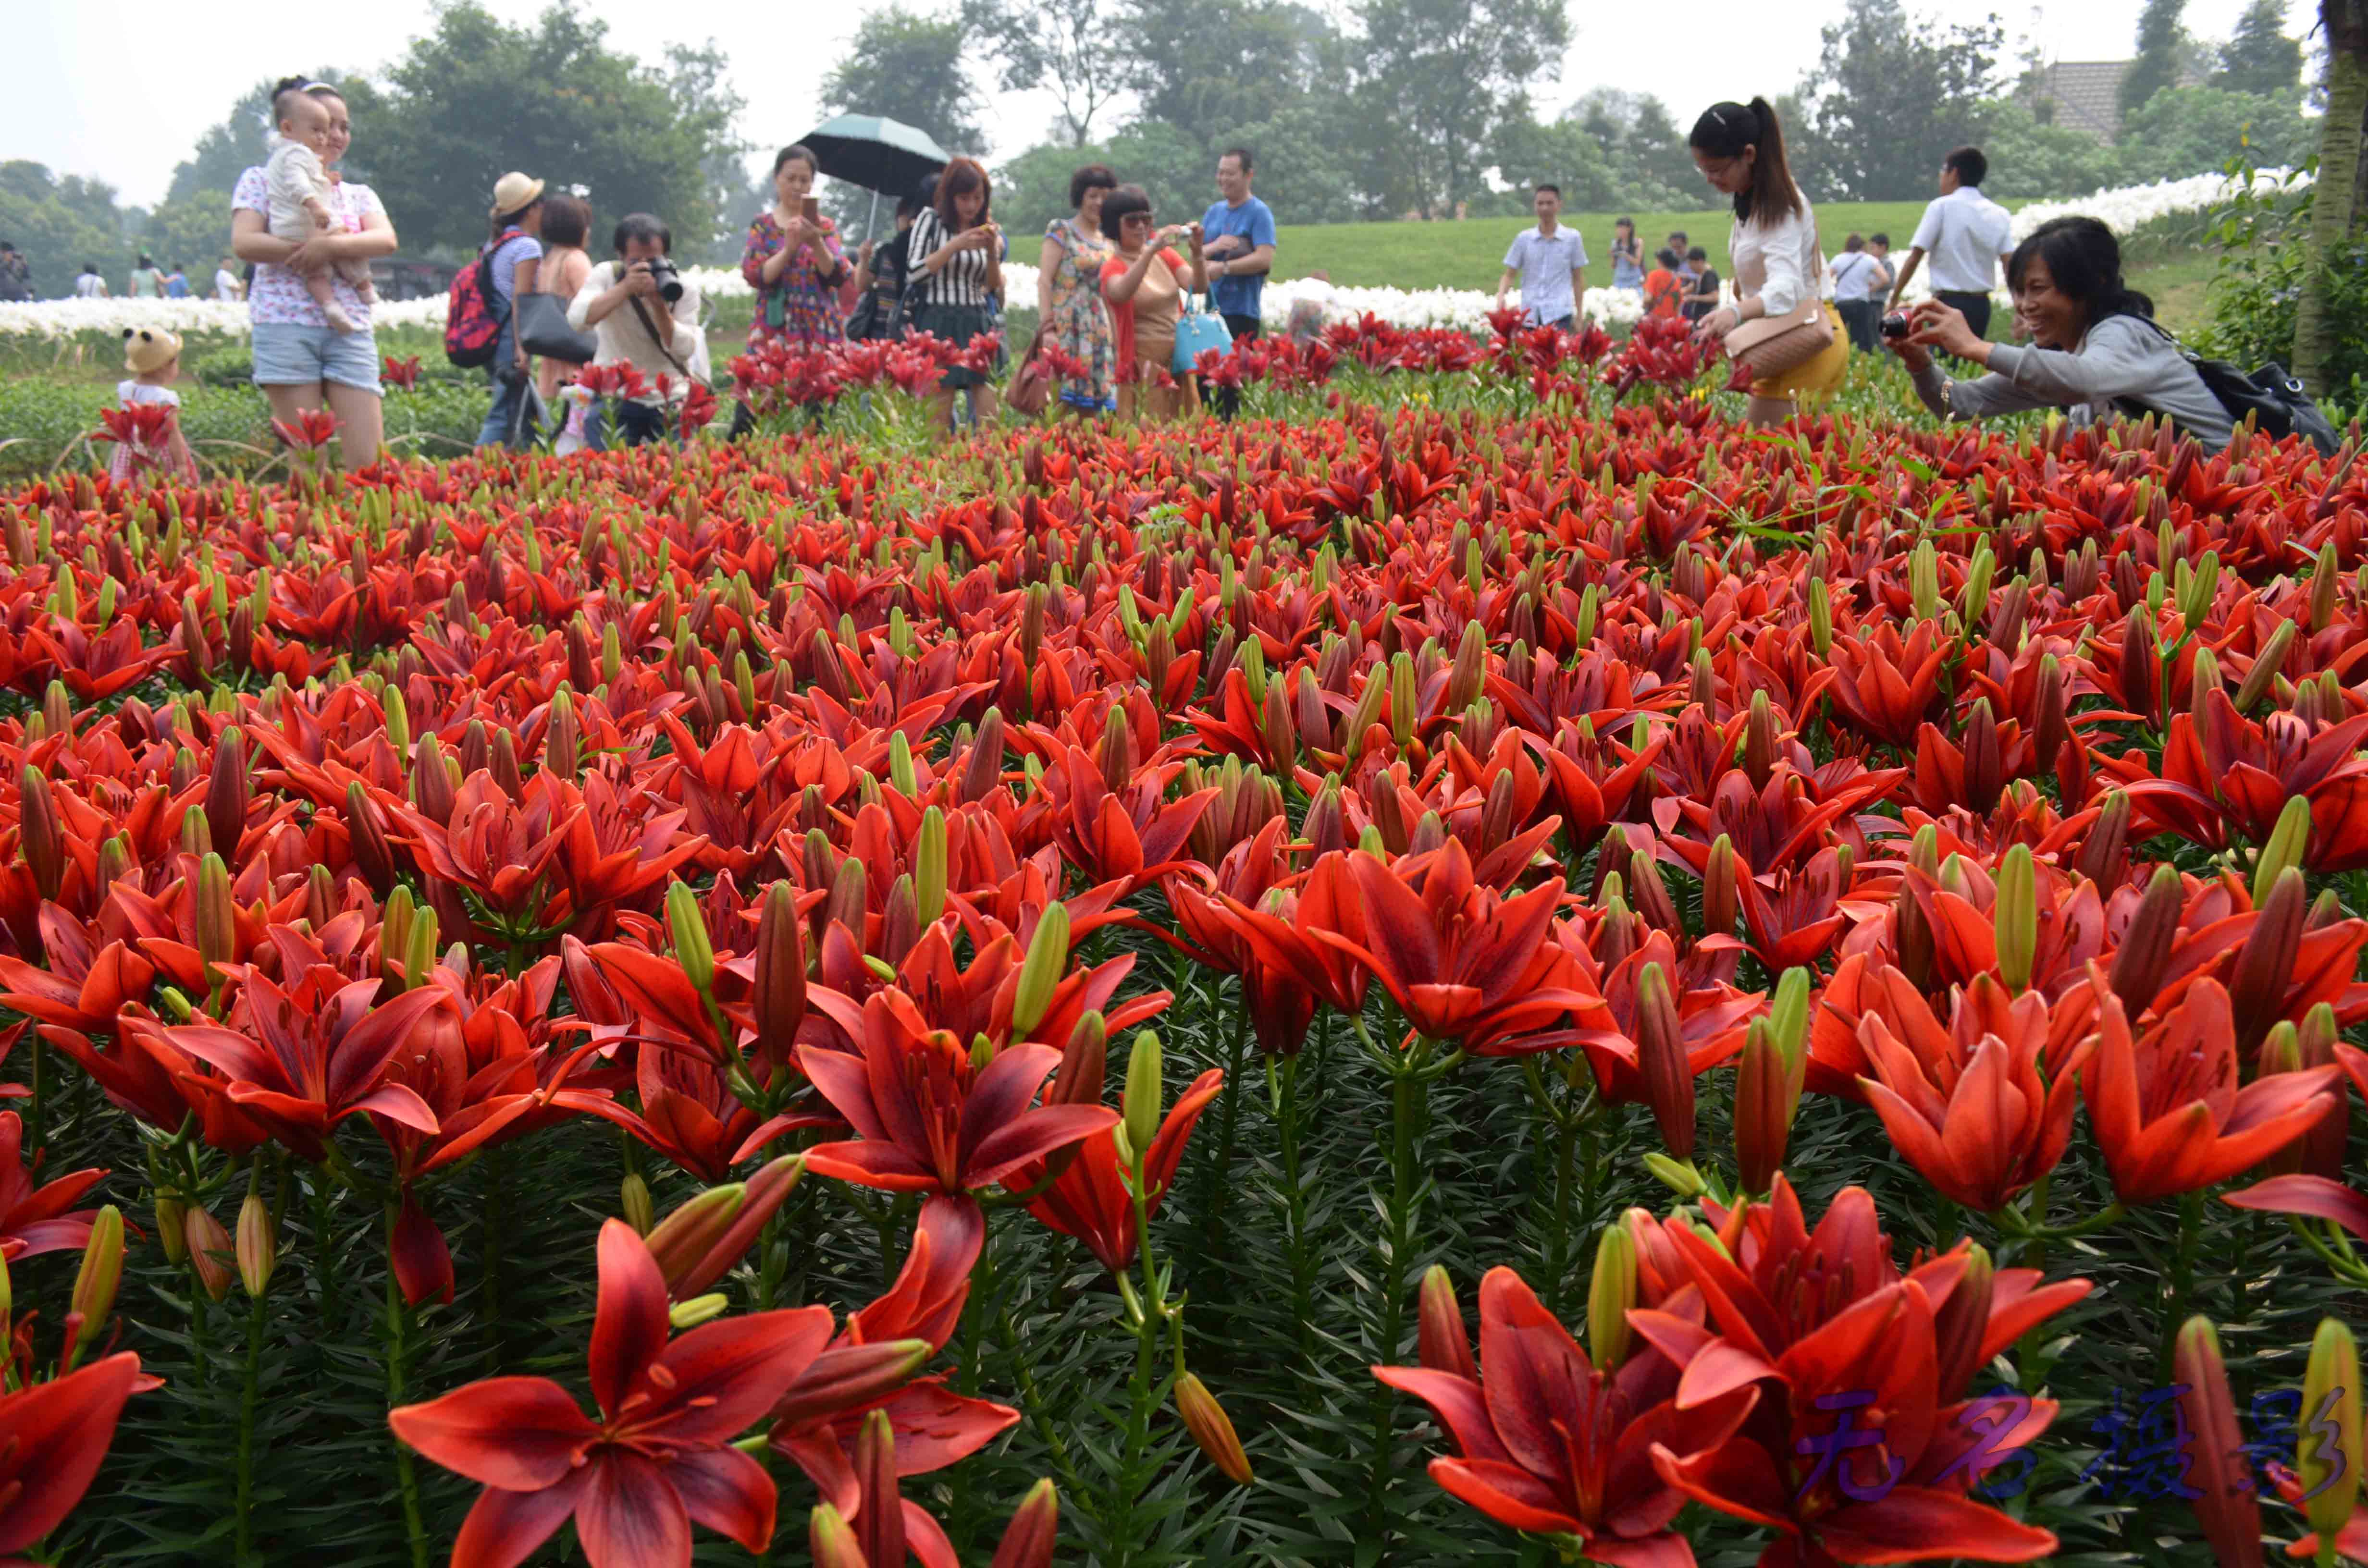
1565	153
2339	200
194	230
2194	131
1888	98
1440	76
1210	67
230	148
62	223
2028	159
1032	189
911	68
1060	45
2164	50
1307	169
476	97
2259	57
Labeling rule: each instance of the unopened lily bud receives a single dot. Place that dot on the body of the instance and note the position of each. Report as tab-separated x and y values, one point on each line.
114	860
2144	953
851	1377
1040	971
2266	664
431	780
563	745
1760	740
2101	851
97	1282
1211	1429
1141	1101
1084	1064
1821	617
2330	1421
635	1197
226	793
2284	846
1471	668
170	1214
780	982
1610	1291
1959	1323
212	1253
688	932
1924	581
690	1314
1788	1018
1719	898
1650	895
1028	1540
1764	1104
216	918
42	834
1679	1175
1661	1058
849	896
2324	579
683	1237
258	1247
929	867
2223	1495
2264	963
2015	918
419	952
1441	1342
1402	695
830	1540
1975	598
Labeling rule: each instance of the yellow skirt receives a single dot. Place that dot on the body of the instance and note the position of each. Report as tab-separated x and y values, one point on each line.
1814	380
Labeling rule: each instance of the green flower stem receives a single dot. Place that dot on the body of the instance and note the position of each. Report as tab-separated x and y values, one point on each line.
255	1313
1294	1208
494	1222
1032	1404
1411	1075
324	1269
407	1475
2182	1274
1222	1178
37	1108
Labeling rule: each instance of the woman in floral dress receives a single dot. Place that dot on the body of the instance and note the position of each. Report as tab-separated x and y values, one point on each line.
794	264
1069	294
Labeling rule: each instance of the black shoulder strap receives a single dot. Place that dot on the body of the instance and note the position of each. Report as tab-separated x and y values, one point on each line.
665	344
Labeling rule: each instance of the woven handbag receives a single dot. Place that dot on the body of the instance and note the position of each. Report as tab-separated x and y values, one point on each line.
1773	344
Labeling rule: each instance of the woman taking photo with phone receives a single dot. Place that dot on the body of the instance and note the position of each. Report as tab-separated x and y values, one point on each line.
794	261
1779	270
956	262
2094	347
1145	284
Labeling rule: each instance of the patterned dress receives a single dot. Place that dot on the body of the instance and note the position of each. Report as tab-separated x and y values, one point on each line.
808	289
1080	321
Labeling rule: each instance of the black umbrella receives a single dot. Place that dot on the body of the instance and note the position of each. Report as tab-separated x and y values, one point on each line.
884	156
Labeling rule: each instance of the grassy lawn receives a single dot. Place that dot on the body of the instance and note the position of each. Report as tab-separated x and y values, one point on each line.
1468	255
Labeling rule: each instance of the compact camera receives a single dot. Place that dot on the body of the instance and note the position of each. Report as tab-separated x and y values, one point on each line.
1895	324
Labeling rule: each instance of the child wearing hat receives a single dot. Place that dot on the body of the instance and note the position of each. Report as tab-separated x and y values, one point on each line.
298	184
152	354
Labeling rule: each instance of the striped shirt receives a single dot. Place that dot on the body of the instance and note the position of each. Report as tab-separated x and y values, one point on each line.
961	281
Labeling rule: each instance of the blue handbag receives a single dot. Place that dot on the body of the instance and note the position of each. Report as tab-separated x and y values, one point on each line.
1198	330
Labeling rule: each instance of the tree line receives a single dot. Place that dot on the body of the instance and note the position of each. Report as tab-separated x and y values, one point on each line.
1391	108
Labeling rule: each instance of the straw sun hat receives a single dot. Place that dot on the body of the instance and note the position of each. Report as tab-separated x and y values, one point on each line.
512	191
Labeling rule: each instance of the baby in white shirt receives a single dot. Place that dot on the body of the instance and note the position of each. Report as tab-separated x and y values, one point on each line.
297	183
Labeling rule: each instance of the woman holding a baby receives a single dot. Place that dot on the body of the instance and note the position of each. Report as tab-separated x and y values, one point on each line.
311	237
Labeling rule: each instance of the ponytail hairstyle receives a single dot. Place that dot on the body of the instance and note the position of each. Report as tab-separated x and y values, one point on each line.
1728	130
2084	261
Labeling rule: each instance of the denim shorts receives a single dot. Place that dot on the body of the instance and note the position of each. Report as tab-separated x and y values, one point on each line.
286	354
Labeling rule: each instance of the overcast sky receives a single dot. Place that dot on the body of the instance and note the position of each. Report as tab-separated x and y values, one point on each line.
101	90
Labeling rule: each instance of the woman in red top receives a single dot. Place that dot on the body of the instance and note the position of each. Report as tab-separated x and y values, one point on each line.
1665	292
1145	284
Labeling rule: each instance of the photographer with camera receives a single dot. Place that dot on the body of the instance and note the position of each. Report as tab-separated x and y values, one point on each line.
2095	350
645	313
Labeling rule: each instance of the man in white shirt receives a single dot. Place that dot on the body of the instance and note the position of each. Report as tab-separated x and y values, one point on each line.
622	303
88	284
1550	263
227	283
1968	237
1859	278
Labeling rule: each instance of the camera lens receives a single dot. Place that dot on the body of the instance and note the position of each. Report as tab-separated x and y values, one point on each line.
1895	324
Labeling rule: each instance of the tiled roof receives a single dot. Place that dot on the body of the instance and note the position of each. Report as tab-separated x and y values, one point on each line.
2087	95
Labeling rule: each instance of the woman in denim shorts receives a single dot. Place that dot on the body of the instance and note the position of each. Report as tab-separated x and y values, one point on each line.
301	362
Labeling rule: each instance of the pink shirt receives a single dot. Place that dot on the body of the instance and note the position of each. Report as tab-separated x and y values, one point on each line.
279	298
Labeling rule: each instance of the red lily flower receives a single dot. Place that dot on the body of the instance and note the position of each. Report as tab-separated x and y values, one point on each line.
927	1115
35	1219
659	1458
1981	1116
1548	1443
82	984
52	1437
1089	1200
322	1055
2166	1108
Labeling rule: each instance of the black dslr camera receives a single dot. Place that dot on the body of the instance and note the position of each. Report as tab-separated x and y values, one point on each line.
667	277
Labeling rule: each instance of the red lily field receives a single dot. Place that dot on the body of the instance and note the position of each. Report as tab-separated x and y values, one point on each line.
1412	979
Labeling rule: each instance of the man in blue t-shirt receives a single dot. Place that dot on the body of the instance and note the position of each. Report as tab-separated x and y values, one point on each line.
1238	238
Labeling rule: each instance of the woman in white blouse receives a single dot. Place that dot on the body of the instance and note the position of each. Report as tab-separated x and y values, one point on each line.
1778	267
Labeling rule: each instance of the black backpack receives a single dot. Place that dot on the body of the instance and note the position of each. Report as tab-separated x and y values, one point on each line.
2275	400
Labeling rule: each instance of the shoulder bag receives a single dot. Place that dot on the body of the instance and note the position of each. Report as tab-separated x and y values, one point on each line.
1198	330
542	329
1773	344
2272	397
1032	389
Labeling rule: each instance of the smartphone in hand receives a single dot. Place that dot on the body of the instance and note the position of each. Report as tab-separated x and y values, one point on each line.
811	210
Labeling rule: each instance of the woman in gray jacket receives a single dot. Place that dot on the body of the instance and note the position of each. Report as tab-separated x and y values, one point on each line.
2095	349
